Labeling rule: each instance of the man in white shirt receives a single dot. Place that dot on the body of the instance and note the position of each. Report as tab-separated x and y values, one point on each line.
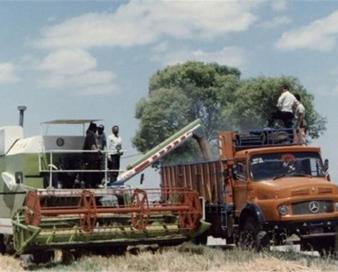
299	112
114	144
285	106
299	137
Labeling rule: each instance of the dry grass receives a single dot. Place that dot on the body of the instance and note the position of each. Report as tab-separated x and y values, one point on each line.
8	263
191	258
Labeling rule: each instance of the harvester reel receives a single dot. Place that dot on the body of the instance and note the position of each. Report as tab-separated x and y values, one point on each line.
88	219
189	219
139	220
32	209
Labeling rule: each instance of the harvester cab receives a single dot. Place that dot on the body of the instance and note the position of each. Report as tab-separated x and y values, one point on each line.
51	199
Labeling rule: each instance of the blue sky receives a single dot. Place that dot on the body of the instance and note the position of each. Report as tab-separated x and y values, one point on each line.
93	59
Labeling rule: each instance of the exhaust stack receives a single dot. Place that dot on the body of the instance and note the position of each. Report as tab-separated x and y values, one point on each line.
21	109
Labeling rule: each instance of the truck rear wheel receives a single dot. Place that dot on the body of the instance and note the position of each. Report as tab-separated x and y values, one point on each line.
252	236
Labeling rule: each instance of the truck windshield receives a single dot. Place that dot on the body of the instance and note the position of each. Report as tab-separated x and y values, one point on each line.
276	165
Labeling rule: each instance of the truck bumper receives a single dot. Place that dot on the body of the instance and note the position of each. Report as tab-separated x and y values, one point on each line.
306	230
303	227
318	235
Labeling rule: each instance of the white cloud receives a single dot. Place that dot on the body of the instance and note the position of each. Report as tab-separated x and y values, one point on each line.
275	22
75	69
145	22
231	56
161	47
279	5
7	73
319	35
64	61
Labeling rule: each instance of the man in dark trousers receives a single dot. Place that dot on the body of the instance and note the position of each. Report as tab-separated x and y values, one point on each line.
101	138
101	143
91	159
114	143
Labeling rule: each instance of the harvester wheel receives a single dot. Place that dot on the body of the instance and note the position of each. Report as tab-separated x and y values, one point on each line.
40	256
2	244
139	220
120	250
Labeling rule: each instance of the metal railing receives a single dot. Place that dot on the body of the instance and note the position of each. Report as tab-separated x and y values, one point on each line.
53	168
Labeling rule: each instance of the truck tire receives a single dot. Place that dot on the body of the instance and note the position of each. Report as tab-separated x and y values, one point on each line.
326	246
252	236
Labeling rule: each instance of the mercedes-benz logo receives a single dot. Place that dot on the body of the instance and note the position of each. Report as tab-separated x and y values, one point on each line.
314	206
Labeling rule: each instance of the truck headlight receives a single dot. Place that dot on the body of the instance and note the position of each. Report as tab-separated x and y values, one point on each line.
283	209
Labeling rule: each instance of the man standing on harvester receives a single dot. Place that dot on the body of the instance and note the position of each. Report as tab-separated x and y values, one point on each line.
114	142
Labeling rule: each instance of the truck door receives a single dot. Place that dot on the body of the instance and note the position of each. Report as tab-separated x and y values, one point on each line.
240	186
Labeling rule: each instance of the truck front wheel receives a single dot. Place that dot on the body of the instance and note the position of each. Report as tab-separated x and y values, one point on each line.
252	236
326	246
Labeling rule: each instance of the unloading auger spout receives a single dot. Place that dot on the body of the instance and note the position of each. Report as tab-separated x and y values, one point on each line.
160	150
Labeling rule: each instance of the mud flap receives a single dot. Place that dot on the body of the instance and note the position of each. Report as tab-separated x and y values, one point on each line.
203	227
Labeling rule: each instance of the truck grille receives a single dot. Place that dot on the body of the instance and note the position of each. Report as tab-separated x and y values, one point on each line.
312	207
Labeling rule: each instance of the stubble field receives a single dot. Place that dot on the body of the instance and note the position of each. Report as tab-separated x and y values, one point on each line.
188	257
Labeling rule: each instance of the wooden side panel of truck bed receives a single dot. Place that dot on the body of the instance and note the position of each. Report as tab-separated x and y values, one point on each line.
206	178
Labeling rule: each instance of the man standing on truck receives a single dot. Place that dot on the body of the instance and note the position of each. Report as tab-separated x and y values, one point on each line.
114	152
299	137
285	105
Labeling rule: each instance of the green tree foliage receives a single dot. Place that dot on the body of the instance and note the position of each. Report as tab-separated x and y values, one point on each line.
164	112
209	89
215	94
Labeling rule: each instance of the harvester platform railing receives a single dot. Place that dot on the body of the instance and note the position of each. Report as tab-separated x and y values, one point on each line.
52	167
147	159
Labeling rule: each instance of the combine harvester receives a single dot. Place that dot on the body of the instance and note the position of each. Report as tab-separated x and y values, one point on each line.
43	208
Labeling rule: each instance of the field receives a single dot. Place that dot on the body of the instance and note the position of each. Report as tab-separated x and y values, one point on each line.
188	257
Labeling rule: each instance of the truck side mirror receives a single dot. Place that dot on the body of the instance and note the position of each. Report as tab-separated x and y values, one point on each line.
326	165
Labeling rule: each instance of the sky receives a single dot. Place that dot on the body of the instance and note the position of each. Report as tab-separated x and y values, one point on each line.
93	59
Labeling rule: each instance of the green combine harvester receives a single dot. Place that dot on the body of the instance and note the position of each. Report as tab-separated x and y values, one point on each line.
44	205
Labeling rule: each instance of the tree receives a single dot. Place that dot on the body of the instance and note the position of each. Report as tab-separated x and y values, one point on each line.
180	94
164	112
215	94
209	88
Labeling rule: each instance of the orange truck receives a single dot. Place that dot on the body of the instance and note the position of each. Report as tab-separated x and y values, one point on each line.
262	190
